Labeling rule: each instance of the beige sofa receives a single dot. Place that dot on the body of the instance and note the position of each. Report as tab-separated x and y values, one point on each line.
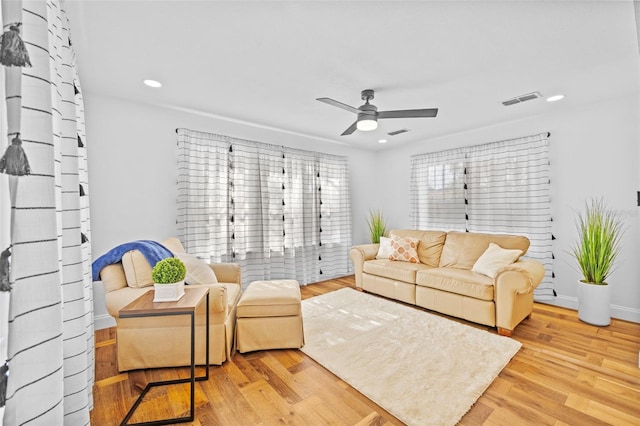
443	280
154	342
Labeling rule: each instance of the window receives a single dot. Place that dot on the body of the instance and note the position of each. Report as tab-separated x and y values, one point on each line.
437	191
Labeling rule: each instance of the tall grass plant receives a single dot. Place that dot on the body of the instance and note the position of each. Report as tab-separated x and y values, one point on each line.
377	226
600	231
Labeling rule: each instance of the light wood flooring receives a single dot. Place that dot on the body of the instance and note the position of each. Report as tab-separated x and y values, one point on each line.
567	373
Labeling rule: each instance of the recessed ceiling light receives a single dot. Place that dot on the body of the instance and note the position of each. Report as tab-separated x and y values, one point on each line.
555	98
382	141
153	83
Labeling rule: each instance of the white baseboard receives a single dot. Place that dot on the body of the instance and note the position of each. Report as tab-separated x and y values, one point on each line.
617	311
103	321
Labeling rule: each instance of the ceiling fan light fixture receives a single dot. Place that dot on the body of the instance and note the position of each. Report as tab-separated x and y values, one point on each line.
367	125
366	122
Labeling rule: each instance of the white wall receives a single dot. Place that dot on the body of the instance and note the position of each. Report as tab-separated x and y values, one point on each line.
595	152
132	154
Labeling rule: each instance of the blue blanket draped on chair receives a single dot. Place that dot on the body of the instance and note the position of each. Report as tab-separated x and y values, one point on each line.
153	251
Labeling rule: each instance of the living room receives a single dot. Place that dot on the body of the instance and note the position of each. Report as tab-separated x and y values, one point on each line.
256	70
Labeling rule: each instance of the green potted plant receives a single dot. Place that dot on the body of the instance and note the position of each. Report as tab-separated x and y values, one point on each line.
168	277
377	226
598	246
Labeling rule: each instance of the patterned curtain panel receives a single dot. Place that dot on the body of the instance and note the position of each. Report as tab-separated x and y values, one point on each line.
46	260
508	191
278	212
500	187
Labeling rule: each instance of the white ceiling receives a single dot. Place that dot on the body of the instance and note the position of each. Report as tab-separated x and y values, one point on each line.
265	63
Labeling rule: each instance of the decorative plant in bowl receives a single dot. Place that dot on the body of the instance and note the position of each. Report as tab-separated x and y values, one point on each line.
168	277
377	226
600	231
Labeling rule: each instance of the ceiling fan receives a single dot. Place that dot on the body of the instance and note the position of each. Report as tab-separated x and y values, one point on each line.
368	114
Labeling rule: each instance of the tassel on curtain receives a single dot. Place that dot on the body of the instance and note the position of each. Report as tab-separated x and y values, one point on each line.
4	376
5	284
14	161
13	52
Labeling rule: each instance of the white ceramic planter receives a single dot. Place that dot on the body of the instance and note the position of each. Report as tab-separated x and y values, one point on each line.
168	292
594	303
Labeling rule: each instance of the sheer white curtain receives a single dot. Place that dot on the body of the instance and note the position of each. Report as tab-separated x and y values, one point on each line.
203	195
278	212
301	197
501	187
437	190
335	216
508	191
5	241
50	355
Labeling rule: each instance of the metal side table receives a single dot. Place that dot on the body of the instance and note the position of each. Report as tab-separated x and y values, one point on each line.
144	306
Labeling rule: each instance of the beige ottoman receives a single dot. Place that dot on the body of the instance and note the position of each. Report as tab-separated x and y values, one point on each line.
269	316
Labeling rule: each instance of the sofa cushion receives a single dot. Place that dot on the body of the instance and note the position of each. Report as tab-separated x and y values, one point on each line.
404	249
394	270
430	244
274	298
459	281
495	258
174	245
462	249
198	272
137	269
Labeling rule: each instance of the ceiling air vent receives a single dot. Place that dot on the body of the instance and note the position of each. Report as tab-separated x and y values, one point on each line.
397	132
522	98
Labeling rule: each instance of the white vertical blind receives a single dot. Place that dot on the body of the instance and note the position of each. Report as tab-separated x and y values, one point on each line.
500	187
277	211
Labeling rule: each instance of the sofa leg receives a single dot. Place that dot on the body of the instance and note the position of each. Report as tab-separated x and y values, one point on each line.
359	289
505	332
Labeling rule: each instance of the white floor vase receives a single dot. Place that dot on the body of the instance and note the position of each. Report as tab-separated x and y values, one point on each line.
594	303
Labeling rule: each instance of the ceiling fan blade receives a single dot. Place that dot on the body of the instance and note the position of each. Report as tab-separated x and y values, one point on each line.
409	113
335	103
351	129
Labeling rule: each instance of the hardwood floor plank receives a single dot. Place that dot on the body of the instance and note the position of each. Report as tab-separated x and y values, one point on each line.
566	373
602	412
276	382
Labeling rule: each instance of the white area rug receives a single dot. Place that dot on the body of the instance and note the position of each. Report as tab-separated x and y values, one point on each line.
422	368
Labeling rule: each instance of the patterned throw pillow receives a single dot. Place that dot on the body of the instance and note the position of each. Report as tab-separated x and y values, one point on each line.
404	249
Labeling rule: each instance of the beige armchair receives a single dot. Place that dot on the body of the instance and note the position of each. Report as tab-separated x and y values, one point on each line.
155	342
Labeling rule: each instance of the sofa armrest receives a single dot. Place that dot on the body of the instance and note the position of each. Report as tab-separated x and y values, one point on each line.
217	296
227	272
360	254
513	290
532	271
